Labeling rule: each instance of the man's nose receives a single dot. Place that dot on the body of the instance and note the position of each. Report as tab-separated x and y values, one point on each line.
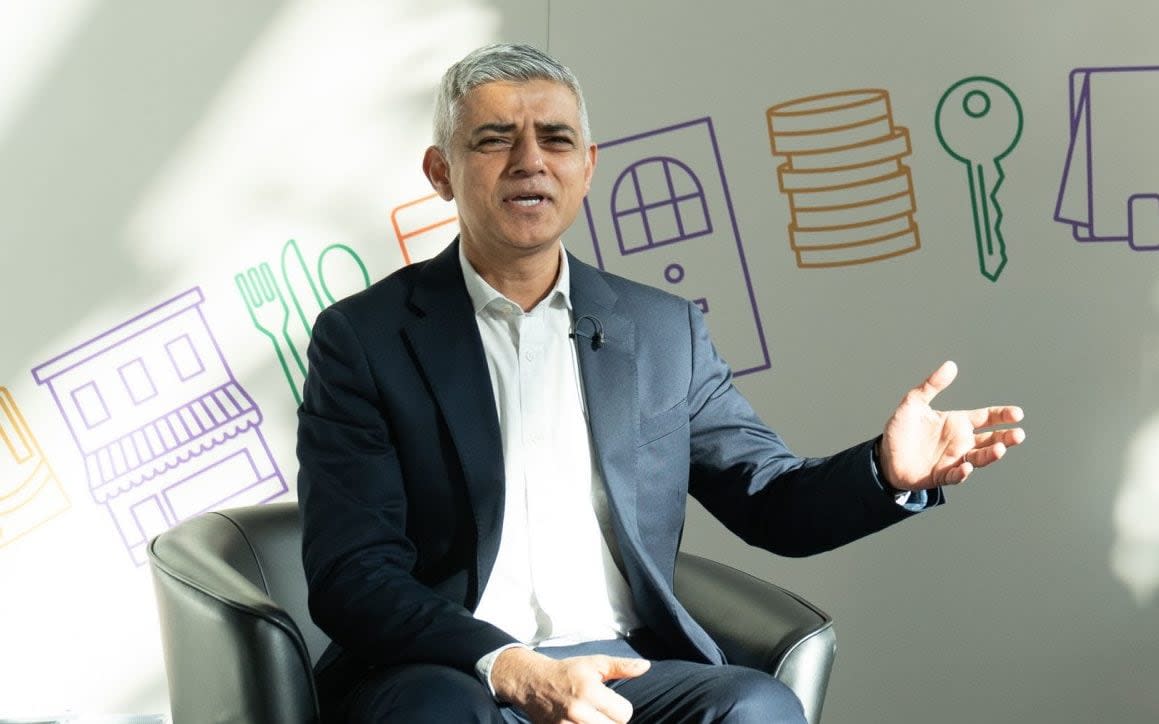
527	156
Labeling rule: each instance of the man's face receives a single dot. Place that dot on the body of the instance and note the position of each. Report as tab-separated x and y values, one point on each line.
518	168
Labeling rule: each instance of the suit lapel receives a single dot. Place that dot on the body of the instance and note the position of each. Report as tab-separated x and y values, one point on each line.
610	392
445	339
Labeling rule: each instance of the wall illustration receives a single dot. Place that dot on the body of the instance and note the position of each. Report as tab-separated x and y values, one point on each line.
424	227
1110	179
659	212
30	492
979	122
137	176
851	200
165	429
284	311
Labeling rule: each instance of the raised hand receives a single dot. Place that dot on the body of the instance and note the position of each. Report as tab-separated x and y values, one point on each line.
924	448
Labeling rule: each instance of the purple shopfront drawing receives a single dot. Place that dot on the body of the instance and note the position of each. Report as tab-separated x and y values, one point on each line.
1110	180
165	429
659	211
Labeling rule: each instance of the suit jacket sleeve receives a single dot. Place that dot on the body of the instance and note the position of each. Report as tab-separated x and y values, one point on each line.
358	558
745	475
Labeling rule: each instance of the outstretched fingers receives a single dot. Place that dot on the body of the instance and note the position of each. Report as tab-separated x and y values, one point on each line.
1008	437
989	447
995	415
958	473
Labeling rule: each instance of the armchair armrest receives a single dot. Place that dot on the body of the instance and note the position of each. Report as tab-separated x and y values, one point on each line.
232	653
760	625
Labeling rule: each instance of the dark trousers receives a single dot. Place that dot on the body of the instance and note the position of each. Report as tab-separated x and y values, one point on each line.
670	692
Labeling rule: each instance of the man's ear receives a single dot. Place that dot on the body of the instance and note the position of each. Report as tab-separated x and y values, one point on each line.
438	173
590	166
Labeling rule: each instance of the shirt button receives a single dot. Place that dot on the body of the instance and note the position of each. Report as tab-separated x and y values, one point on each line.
529	355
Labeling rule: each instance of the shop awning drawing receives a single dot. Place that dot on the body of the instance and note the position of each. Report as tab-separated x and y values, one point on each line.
165	429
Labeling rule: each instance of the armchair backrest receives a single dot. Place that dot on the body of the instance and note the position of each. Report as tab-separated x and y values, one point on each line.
235	576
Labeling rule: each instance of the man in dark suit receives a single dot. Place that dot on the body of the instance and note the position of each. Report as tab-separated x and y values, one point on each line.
497	445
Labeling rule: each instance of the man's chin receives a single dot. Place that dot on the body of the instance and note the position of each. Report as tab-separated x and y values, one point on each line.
531	247
532	240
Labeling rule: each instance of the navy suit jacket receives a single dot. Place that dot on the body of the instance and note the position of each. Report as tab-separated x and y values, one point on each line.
401	476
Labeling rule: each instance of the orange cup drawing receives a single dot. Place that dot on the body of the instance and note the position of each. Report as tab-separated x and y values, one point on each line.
423	227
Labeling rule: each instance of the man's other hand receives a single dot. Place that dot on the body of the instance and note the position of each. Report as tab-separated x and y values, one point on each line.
570	691
924	448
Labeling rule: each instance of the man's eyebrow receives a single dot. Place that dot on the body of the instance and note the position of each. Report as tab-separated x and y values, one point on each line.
541	127
556	127
493	128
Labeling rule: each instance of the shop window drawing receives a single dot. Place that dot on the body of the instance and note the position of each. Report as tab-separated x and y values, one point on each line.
165	429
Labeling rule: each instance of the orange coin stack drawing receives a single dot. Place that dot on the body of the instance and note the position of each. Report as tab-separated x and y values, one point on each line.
850	198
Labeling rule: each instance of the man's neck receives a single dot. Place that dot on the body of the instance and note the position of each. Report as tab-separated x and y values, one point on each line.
524	279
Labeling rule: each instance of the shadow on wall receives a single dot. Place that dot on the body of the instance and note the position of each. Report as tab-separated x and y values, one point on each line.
156	152
1135	553
86	131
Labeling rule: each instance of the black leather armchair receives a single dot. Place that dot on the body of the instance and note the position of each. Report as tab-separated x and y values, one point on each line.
240	645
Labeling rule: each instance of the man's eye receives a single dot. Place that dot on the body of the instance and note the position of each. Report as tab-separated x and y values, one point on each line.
492	141
558	141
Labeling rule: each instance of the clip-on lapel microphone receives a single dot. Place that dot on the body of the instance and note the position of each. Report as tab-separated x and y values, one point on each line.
597	336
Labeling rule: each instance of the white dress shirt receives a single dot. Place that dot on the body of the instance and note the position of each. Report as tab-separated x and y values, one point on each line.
555	580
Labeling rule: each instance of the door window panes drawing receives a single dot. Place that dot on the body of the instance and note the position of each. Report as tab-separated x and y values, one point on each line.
1110	179
30	492
658	201
155	460
282	308
659	212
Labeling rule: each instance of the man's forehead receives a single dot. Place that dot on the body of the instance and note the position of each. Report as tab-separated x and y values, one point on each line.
544	97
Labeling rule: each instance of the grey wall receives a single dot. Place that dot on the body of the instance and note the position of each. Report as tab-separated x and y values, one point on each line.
149	148
1007	604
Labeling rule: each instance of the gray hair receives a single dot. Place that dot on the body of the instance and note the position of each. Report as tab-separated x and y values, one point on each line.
498	62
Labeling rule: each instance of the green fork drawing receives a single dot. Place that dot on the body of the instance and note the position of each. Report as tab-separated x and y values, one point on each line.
271	316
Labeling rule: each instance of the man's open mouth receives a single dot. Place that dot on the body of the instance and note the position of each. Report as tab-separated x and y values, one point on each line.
528	199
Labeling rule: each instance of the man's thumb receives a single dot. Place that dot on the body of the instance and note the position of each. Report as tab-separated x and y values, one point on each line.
621	668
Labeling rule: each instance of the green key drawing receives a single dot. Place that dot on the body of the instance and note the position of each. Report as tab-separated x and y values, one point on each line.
979	121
